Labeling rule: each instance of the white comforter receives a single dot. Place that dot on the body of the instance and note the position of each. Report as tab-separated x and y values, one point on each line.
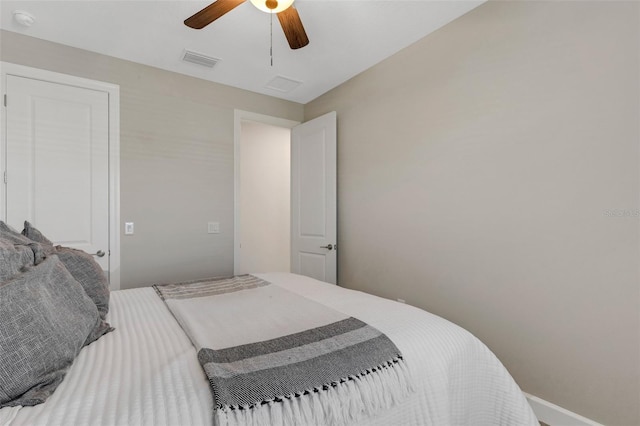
147	373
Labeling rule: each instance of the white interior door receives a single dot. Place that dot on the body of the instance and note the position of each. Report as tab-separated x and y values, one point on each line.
57	162
313	199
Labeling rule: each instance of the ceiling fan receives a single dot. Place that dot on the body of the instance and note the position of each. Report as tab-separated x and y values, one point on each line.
287	15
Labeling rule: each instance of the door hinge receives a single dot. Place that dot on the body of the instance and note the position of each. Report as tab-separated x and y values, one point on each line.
5	176
5	99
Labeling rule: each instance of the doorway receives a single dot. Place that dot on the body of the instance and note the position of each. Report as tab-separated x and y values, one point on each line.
311	220
262	193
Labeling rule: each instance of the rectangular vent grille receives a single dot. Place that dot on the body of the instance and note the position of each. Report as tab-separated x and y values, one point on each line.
283	84
199	58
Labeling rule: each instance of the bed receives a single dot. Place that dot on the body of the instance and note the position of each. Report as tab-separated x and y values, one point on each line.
146	371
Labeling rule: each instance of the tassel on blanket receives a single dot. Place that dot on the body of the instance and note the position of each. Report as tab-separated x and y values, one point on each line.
336	405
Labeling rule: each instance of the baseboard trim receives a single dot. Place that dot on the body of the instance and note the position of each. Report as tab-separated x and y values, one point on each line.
553	415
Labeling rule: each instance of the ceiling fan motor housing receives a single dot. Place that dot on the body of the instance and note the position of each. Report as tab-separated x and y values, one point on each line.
271	4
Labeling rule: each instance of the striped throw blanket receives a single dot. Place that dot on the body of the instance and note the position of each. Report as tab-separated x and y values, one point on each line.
273	357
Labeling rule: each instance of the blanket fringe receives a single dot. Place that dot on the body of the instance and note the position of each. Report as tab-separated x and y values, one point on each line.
340	404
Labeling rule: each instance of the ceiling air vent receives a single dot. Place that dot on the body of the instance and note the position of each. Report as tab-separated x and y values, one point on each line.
283	84
199	58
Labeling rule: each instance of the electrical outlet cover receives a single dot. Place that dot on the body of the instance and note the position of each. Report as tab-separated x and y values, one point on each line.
213	227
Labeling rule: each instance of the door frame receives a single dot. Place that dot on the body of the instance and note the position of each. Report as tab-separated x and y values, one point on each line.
238	117
113	92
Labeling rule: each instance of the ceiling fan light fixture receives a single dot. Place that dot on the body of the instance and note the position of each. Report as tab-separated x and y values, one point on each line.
272	6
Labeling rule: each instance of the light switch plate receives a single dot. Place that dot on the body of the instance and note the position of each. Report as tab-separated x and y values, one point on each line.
213	227
128	228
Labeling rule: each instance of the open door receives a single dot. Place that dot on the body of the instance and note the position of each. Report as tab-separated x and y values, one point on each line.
313	199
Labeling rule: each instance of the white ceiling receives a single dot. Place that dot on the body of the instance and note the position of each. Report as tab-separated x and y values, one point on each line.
346	36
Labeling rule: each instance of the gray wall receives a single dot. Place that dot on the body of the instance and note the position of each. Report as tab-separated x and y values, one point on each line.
176	161
476	172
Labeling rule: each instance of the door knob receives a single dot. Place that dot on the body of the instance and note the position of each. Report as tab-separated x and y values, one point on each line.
328	247
99	253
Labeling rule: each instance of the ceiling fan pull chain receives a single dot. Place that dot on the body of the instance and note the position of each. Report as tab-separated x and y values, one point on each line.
271	39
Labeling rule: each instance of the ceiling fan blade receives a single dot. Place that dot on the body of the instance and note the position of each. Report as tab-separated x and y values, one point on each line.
211	13
292	27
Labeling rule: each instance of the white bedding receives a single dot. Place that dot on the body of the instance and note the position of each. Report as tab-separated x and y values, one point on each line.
146	372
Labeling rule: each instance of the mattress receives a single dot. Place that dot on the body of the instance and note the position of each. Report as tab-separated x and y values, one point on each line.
146	372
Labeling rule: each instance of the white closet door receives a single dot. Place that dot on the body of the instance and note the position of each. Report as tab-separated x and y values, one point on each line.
57	162
313	199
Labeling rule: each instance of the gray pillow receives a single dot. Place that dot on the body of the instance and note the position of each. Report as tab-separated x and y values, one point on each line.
8	233
81	265
45	320
89	274
11	236
35	235
14	259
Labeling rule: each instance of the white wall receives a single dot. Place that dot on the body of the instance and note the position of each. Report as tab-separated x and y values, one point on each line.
264	198
489	174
